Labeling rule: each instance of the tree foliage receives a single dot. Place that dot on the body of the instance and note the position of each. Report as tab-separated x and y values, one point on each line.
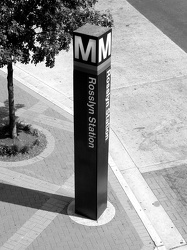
37	30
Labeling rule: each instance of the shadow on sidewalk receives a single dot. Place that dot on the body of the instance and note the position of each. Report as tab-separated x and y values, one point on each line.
4	112
24	196
34	199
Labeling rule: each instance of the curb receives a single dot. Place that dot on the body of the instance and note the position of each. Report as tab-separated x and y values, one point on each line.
153	234
69	108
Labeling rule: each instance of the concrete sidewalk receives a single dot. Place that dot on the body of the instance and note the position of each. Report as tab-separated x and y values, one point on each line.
35	193
148	125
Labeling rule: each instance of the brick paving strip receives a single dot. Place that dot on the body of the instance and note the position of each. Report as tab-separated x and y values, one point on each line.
46	152
169	186
32	228
60	196
176	238
51	209
135	203
132	213
44	216
35	114
25	181
175	65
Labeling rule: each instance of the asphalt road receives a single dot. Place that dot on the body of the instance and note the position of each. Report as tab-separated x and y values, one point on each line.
170	16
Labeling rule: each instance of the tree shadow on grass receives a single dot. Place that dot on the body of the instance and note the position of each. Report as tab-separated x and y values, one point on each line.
4	117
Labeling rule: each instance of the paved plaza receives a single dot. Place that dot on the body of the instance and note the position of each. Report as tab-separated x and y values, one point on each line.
147	154
35	194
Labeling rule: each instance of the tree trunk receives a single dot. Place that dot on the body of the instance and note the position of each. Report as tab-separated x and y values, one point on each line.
12	117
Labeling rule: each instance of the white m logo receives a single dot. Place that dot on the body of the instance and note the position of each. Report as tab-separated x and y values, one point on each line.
105	50
91	48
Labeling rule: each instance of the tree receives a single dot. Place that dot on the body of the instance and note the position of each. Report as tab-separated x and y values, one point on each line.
37	30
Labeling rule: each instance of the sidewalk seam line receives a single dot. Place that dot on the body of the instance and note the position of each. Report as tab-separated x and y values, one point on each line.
152	232
151	82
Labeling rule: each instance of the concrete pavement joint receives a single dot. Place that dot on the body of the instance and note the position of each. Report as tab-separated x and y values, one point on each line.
150	227
156	213
144	27
47	120
39	107
37	78
162	165
115	141
180	248
35	113
155	217
130	210
151	82
143	217
155	237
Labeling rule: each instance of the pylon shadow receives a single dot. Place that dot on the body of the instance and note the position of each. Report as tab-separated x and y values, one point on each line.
33	198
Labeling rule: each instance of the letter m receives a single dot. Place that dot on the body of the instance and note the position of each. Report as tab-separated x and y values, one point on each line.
105	49
79	48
